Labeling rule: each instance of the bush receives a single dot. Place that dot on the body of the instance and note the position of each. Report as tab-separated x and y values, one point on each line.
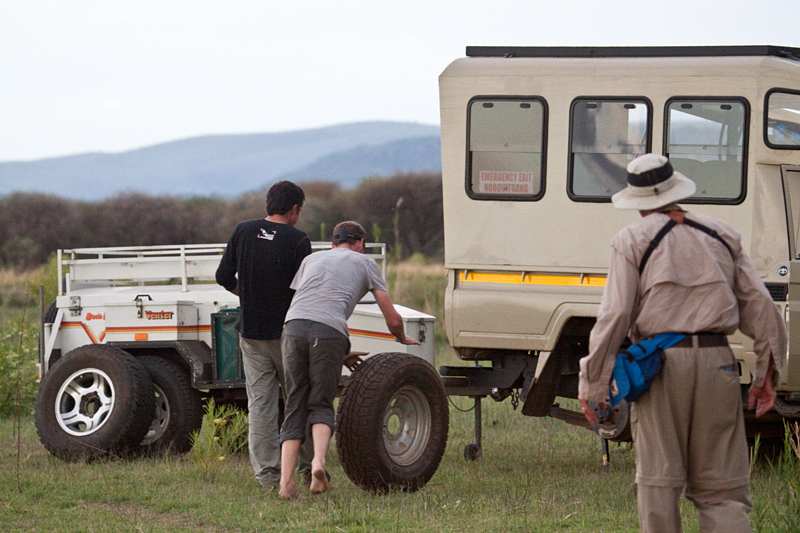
45	276
223	433
17	369
404	211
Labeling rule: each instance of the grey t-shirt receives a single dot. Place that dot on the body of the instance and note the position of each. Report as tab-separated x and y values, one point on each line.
329	284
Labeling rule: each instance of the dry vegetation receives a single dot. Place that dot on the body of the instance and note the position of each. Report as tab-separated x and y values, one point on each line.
28	235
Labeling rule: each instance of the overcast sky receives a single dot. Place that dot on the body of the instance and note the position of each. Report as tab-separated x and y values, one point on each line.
112	75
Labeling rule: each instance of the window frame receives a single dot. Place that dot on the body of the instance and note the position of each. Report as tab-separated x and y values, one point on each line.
468	163
766	118
606	98
745	144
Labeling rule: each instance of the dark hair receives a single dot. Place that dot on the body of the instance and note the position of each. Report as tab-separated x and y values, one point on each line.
283	196
349	231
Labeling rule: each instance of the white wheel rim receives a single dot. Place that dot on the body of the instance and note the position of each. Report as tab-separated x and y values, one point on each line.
84	402
407	426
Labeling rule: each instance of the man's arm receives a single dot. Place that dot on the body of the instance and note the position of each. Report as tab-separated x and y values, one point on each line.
302	251
226	271
763	398
393	319
760	320
614	319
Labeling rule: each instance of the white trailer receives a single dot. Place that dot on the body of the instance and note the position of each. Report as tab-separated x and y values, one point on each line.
131	325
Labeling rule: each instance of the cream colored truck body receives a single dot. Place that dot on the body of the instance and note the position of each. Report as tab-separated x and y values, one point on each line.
526	271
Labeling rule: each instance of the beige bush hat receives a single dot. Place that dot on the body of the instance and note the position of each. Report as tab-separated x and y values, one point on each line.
652	183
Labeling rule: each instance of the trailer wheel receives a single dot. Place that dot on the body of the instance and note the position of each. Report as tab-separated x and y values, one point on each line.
50	313
472	452
392	423
95	401
178	408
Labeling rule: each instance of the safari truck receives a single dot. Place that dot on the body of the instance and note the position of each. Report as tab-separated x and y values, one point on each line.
139	337
534	143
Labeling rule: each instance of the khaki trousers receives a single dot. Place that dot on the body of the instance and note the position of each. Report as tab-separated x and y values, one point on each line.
263	372
689	432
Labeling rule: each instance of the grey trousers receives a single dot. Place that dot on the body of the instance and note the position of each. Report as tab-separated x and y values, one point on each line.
689	433
263	371
313	354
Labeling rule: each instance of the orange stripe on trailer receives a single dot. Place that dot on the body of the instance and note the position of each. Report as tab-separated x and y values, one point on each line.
373	334
87	329
154	329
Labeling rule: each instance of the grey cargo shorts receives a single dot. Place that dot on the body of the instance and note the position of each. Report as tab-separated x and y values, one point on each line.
313	354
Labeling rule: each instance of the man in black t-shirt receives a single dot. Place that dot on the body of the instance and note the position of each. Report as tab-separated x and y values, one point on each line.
259	264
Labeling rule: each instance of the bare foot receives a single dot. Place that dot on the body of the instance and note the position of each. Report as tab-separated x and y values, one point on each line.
288	493
319	482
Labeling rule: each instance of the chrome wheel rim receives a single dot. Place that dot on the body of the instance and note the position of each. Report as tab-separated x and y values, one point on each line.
407	426
84	402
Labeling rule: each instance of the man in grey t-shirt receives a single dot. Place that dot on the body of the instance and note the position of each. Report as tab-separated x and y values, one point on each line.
315	341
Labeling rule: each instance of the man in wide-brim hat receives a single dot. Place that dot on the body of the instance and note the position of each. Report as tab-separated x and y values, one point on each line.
652	184
695	279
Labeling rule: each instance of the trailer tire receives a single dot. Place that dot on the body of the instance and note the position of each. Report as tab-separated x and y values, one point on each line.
178	408
50	313
95	402
392	423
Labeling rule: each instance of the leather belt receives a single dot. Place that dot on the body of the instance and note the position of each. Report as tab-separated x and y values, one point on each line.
704	340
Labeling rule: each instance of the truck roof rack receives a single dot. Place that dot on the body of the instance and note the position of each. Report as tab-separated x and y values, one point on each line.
633	51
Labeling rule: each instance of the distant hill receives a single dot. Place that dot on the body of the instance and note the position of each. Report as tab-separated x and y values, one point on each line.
348	167
228	165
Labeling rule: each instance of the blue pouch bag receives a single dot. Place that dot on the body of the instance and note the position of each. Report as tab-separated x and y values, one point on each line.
636	368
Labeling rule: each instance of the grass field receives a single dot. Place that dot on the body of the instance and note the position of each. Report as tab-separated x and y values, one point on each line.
536	474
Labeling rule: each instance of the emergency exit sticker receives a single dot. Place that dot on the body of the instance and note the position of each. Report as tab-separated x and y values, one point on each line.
505	182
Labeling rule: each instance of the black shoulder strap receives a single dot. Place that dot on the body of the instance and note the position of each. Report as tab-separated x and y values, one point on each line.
708	231
654	243
673	221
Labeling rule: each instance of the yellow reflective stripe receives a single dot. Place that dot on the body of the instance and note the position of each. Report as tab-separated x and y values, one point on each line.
533	279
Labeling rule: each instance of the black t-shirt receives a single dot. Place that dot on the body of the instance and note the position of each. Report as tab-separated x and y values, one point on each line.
265	256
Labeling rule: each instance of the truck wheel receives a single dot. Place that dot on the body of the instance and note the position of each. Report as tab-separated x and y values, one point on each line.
95	401
392	423
178	408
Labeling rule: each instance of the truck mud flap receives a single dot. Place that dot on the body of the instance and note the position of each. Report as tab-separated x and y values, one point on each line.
539	392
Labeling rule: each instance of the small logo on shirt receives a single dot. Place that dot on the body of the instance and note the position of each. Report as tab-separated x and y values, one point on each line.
266	235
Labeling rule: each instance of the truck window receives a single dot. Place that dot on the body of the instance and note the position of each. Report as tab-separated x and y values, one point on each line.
783	119
605	135
506	146
706	140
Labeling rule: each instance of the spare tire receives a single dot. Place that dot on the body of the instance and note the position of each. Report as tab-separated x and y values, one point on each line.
96	401
392	423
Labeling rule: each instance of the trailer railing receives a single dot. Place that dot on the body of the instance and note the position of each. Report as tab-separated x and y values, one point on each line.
132	265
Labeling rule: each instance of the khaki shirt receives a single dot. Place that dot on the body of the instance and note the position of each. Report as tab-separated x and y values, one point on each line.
690	284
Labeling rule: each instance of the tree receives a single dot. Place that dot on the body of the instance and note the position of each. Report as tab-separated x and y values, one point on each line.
417	220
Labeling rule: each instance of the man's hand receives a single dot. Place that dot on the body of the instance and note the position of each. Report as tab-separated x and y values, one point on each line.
762	398
588	412
407	340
